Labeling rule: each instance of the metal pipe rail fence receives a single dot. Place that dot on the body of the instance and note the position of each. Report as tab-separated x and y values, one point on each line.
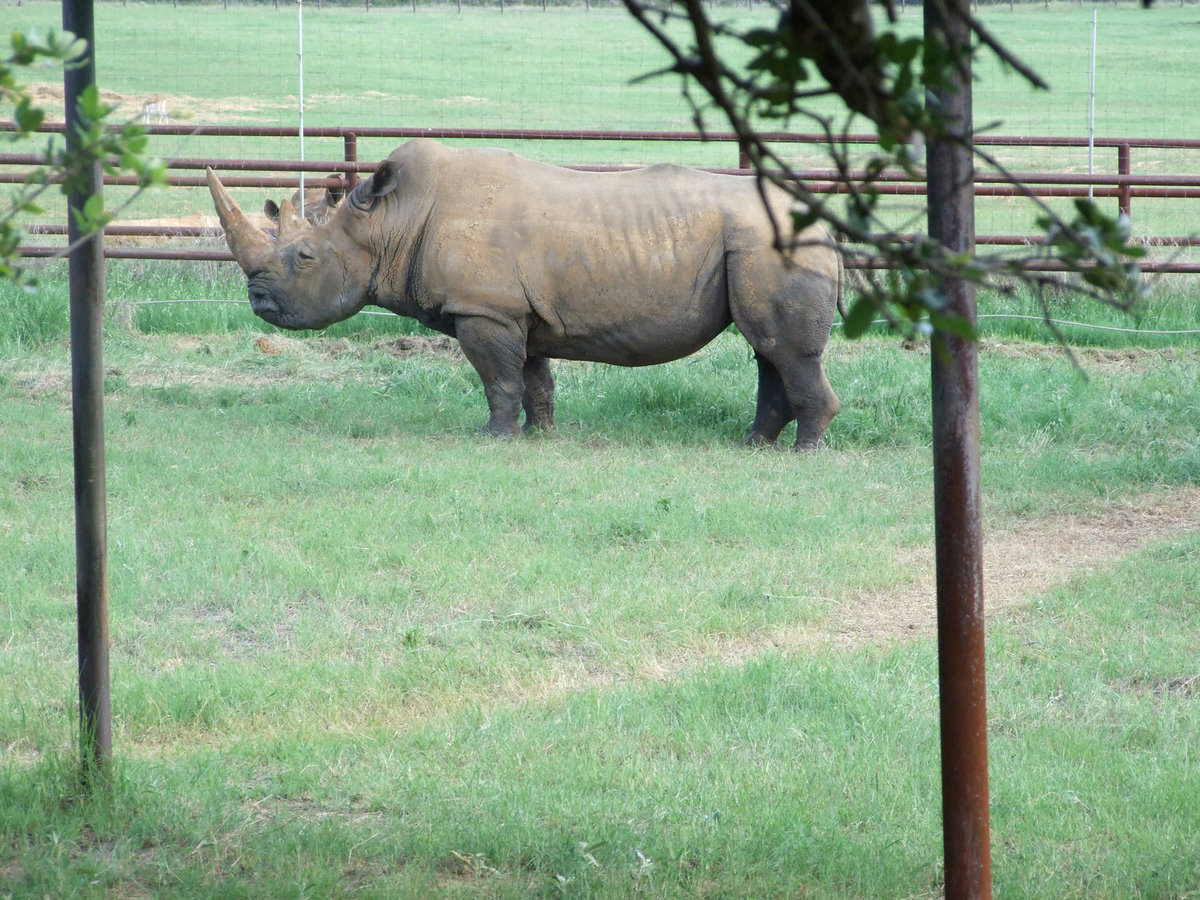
1124	185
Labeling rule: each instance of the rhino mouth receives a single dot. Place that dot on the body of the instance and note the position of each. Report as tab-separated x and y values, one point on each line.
265	306
262	304
279	311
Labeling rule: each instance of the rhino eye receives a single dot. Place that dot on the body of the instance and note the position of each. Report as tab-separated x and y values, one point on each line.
305	256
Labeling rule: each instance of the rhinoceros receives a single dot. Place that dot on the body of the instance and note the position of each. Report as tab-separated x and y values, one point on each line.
524	262
319	203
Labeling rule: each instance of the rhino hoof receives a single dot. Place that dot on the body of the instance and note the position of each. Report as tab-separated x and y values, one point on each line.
503	434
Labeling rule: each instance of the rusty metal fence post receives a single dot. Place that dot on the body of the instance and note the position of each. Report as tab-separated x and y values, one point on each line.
350	145
956	488
1124	168
86	272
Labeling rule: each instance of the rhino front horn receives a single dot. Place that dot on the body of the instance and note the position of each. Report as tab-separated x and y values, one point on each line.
250	245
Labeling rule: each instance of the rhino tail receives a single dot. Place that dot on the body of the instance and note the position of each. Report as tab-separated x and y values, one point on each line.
841	280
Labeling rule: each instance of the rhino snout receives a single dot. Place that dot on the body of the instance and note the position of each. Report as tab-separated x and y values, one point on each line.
262	303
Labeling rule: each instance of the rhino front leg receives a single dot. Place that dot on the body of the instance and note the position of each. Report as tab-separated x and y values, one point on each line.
497	351
539	394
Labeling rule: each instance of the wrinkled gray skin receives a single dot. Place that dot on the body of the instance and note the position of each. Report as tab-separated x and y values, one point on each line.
525	262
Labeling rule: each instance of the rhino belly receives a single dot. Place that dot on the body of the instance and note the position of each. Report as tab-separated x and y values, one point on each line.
628	334
627	298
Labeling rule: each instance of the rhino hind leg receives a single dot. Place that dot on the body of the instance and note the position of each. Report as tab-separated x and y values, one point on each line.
813	401
538	399
795	389
786	315
773	410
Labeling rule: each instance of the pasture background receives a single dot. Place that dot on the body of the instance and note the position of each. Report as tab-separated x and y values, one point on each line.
359	652
571	68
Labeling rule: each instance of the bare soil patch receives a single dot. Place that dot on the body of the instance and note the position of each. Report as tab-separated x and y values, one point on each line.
203	372
179	107
1019	563
1124	359
1119	359
1023	562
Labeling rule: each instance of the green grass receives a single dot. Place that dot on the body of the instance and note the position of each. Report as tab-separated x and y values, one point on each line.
1120	714
191	298
359	650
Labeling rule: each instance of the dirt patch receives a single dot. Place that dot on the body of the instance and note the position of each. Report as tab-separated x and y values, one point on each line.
421	346
1124	359
202	371
50	97
160	108
1121	359
190	220
1019	564
405	347
402	347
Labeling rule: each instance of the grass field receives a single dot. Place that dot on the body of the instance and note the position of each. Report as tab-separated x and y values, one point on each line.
359	651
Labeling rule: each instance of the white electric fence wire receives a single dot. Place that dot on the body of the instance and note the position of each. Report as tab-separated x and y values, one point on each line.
1092	107
300	90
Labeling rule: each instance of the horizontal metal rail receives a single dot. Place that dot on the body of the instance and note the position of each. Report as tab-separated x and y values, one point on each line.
1123	185
564	134
821	181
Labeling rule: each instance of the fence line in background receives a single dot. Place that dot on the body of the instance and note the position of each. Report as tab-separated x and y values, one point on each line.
1124	185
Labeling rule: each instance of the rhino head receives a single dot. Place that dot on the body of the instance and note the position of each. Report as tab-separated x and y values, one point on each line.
310	276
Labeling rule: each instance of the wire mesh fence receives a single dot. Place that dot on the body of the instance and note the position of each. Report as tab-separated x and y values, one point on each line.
538	67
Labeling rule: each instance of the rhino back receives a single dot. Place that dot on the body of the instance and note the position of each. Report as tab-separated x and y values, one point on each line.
626	267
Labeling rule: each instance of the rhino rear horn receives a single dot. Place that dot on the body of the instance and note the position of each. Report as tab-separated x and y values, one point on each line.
290	221
250	245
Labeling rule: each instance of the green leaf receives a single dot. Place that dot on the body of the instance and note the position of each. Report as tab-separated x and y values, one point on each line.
802	218
952	324
90	105
27	116
65	46
92	216
859	318
1088	211
761	37
93	207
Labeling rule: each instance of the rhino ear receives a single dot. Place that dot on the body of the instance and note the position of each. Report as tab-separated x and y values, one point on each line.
368	193
271	210
385	180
